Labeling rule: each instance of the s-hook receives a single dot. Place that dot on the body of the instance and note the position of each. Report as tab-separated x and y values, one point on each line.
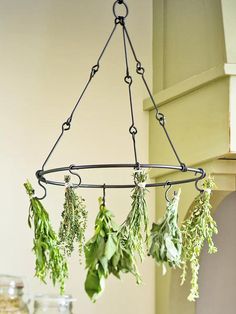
75	186
45	191
200	178
104	195
168	183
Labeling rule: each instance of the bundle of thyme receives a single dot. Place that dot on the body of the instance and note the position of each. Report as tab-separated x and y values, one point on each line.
166	239
49	259
196	229
99	251
74	221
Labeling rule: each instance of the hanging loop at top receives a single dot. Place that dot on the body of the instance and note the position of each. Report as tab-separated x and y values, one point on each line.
125	7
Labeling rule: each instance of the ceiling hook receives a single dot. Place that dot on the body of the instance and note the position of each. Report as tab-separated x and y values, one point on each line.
75	186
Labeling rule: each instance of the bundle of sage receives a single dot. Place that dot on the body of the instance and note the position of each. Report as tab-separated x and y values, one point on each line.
197	228
99	251
74	221
49	259
166	239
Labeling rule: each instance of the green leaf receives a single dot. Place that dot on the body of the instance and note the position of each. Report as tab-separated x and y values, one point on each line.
111	246
104	262
115	259
172	253
94	285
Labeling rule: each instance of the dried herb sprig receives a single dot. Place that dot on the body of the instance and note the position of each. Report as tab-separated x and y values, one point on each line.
196	229
99	251
134	232
49	260
124	260
166	243
74	221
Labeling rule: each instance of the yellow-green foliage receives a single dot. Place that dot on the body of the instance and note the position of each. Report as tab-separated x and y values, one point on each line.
196	229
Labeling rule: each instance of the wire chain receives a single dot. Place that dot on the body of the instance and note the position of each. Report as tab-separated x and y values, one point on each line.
128	80
159	116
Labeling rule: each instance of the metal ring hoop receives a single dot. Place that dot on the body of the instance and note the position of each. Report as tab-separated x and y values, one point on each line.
125	6
198	175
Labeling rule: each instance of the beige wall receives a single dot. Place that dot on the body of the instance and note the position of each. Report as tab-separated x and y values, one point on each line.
46	51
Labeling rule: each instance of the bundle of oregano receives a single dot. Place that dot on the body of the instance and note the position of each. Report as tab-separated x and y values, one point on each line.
49	259
166	239
74	221
197	228
99	251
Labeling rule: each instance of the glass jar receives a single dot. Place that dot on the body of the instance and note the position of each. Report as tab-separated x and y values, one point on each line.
11	295
53	304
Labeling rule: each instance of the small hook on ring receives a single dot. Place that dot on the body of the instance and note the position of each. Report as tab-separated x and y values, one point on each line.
104	195
203	174
168	183
75	186
45	191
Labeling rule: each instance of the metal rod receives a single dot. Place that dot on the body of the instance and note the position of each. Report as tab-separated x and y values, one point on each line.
128	80
40	174
140	71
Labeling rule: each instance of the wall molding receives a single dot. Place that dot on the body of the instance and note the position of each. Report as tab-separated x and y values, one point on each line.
187	86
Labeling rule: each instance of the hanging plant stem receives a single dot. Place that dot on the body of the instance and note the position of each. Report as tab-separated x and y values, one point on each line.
166	238
130	235
49	260
74	221
99	251
196	229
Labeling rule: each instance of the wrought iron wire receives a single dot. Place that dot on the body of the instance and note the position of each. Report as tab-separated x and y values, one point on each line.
127	43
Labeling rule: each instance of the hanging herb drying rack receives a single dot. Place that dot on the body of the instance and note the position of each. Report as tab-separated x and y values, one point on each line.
114	249
197	173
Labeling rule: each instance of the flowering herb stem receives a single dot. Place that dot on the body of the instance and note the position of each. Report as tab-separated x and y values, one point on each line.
74	221
196	229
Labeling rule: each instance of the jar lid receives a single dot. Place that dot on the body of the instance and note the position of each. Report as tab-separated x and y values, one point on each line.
11	281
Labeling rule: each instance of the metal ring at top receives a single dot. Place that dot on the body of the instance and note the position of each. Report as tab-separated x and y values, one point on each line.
125	6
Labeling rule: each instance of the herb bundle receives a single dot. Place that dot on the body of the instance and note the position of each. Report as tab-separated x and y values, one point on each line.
197	228
130	235
99	251
124	260
49	259
74	221
166	239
